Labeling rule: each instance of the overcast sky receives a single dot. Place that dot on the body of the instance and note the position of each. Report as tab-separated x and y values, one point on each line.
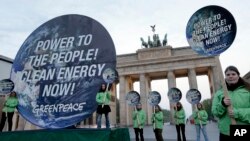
126	21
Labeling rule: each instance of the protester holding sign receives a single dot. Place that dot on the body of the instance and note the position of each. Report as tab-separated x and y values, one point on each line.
8	110
103	98
157	120
200	115
139	119
239	95
180	116
200	120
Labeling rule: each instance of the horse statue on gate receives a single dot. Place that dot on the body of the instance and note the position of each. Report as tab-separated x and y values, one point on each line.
143	43
165	41
150	43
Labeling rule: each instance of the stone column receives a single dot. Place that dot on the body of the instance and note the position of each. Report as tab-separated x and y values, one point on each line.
220	75
171	84
130	109
113	105
192	81
126	85
149	107
144	91
216	79
123	104
212	79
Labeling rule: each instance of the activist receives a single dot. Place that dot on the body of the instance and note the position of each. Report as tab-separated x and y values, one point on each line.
238	98
139	119
179	116
8	110
158	121
200	120
103	98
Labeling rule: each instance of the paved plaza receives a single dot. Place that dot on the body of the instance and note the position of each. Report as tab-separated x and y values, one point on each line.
169	133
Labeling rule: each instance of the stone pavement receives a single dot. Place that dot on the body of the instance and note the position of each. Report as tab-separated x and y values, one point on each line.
169	133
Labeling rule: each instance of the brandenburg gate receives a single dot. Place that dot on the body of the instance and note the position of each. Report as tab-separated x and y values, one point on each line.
156	63
145	65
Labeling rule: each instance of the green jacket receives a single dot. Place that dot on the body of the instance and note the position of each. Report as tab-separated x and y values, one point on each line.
200	117
10	104
157	119
179	117
240	99
139	118
103	98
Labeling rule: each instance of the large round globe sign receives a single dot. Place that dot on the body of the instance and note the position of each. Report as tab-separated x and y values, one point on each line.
211	30
174	95
59	69
193	96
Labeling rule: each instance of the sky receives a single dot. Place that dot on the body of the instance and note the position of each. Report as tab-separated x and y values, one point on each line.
127	21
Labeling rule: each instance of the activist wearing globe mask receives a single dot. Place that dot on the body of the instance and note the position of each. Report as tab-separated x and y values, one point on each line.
238	98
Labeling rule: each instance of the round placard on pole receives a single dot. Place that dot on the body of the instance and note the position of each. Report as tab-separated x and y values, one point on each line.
133	98
211	30
174	95
6	86
193	96
109	75
154	98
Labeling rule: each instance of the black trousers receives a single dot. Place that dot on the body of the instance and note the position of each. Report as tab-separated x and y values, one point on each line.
9	116
138	132
158	134
224	137
180	131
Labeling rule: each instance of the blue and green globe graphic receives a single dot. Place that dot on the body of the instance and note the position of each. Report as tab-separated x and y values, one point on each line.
211	30
58	70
